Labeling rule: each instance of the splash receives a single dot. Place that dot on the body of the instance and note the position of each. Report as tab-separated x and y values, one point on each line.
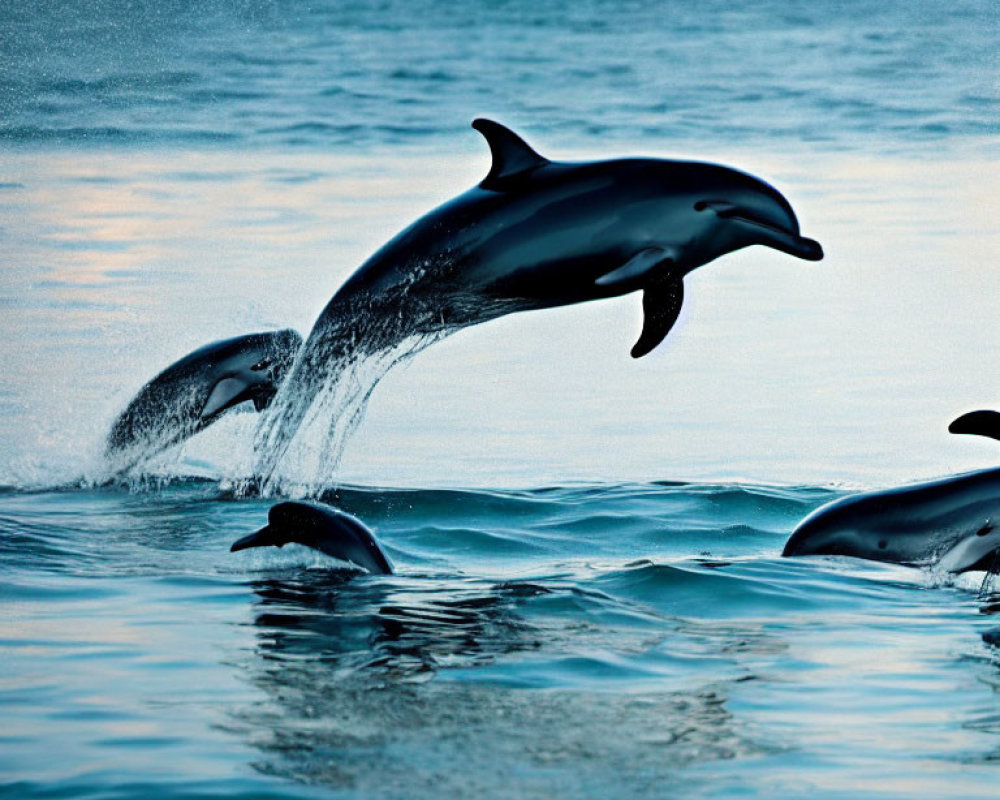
300	445
301	438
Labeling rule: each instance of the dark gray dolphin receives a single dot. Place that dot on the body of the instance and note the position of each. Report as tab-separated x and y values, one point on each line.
977	423
195	391
954	522
535	234
322	528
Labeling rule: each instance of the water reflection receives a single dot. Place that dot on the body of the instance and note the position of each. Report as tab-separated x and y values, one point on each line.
359	626
374	685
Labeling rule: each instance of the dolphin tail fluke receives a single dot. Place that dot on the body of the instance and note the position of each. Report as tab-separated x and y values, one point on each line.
661	304
977	423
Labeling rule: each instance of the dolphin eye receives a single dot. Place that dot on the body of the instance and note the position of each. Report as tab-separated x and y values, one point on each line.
984	530
701	205
263	364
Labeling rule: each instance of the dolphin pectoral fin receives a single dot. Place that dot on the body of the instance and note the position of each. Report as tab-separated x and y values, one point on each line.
661	304
225	394
977	423
512	156
636	267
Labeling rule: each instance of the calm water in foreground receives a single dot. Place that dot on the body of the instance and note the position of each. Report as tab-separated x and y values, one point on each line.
590	600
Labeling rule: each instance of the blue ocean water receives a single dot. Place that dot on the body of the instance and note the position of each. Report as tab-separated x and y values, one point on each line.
590	599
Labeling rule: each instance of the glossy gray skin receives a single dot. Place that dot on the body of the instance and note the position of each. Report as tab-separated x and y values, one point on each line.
953	522
195	391
322	528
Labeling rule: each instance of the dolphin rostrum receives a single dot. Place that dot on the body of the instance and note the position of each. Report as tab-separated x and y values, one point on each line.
322	528
195	391
536	234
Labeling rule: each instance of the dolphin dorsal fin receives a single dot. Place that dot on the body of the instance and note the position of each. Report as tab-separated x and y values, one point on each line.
512	156
977	423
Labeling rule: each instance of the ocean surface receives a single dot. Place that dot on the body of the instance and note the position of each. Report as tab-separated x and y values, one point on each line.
590	599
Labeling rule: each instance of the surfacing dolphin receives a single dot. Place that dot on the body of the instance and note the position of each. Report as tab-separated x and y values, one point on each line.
536	234
953	522
322	528
195	391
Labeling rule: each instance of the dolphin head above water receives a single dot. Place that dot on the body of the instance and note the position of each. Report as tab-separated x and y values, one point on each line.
952	522
322	528
703	211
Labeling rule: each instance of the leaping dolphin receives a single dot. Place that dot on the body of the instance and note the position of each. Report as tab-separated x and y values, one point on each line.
536	234
195	391
952	522
322	528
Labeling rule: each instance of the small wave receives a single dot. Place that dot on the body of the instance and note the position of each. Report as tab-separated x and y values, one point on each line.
112	135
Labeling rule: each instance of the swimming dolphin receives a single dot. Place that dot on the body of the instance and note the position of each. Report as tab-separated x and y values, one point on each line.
953	522
195	391
536	234
977	423
322	528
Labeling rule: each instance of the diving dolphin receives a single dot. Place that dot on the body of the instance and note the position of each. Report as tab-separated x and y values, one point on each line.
322	528
536	234
195	391
953	522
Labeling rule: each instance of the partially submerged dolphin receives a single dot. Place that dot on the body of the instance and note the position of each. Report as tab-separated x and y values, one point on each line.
322	528
195	391
953	522
536	234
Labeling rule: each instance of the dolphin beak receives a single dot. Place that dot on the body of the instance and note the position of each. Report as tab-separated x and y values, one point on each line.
262	538
803	247
785	241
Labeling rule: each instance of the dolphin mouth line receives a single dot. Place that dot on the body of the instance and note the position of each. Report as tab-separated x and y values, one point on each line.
781	239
